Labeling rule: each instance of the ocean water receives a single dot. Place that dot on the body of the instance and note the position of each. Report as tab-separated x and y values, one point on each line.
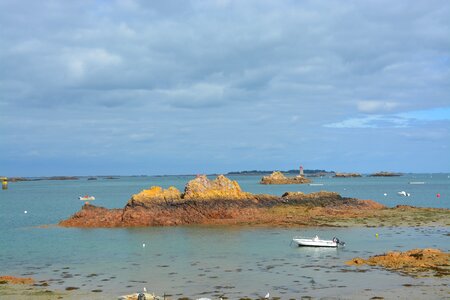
196	261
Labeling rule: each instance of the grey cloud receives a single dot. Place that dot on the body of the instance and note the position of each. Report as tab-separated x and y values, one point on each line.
253	72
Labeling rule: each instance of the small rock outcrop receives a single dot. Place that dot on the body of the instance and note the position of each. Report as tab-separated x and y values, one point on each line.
385	174
279	178
201	188
328	199
412	262
344	175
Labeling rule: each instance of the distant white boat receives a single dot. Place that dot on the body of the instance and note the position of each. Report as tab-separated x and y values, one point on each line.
404	194
417	182
86	198
315	184
316	242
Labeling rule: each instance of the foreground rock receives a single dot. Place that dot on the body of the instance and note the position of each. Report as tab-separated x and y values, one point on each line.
414	262
15	280
385	174
347	175
220	201
279	178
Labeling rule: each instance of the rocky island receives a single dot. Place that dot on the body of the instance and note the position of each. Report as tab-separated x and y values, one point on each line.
221	201
279	178
385	174
344	175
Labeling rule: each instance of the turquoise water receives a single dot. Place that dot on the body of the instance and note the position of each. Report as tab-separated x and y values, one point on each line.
205	261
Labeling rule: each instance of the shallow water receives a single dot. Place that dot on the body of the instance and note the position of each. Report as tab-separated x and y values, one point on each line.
205	261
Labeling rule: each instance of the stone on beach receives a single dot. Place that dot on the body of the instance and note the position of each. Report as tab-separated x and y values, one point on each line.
16	280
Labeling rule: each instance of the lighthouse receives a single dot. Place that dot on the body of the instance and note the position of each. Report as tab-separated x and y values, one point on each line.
301	171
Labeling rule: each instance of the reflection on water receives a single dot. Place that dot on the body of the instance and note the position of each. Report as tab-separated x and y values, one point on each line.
195	261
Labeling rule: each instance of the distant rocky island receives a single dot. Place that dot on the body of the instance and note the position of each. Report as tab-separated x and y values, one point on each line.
344	175
385	174
309	173
279	178
17	179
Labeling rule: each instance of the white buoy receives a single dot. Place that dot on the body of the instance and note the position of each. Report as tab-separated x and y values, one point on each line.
385	194
25	212
143	245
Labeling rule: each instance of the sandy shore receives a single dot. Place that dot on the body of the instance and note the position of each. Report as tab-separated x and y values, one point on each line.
439	290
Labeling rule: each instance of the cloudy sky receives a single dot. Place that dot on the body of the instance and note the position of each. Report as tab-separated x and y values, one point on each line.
175	87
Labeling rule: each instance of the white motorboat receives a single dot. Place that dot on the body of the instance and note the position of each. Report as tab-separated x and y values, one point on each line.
404	194
316	184
417	182
86	198
317	242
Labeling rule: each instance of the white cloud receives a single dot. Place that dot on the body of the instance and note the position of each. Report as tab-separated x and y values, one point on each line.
82	61
373	106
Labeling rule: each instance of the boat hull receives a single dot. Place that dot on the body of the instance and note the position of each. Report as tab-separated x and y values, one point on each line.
313	243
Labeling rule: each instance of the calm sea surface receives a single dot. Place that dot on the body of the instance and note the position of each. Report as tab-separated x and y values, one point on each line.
206	261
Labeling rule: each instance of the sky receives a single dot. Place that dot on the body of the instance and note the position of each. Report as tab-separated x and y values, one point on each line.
185	87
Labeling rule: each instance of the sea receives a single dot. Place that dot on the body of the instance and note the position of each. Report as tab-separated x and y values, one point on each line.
208	261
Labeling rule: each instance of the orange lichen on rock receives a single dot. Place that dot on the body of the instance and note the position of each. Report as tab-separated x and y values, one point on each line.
410	262
16	280
278	178
201	188
155	194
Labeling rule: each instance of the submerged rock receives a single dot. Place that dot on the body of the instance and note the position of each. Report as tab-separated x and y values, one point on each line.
412	262
279	178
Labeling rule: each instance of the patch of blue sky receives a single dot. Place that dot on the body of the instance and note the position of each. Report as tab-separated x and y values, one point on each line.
433	114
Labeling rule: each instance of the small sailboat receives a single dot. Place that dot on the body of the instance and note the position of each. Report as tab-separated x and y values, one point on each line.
86	198
317	242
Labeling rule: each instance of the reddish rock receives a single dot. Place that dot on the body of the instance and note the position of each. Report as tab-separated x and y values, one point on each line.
16	280
410	262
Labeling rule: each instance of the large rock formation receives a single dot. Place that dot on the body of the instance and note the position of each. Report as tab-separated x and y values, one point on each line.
219	201
412	262
279	178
